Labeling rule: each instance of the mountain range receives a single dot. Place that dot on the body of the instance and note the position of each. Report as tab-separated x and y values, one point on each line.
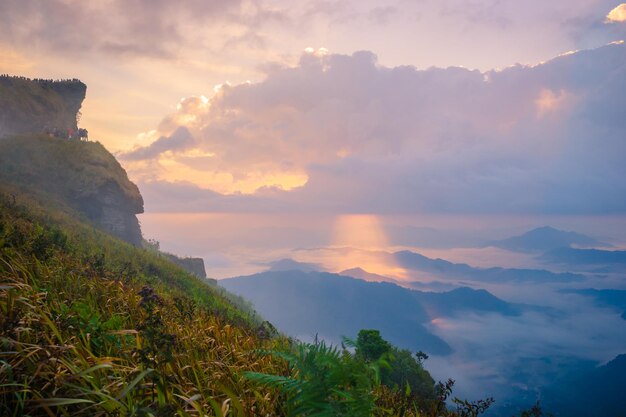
332	306
445	269
546	238
573	256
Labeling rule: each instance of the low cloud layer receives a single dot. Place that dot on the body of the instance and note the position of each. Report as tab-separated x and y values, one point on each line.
495	355
343	134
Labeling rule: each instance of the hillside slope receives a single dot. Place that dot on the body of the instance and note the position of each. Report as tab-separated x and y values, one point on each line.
90	325
598	392
82	175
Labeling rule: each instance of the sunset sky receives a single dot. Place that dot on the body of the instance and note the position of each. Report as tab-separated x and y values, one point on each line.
364	107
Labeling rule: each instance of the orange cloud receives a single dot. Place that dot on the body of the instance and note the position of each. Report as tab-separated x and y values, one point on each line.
617	15
225	182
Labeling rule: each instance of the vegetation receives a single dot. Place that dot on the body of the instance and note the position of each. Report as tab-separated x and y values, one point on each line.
403	371
93	326
323	381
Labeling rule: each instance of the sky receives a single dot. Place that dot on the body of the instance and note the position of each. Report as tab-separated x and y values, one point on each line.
429	107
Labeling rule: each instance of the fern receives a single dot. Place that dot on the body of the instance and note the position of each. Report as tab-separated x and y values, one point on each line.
323	382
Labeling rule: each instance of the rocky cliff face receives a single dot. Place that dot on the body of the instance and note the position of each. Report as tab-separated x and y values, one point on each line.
192	265
36	106
113	210
83	175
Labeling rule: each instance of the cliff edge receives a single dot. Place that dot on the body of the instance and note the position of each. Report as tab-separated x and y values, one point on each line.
36	106
40	152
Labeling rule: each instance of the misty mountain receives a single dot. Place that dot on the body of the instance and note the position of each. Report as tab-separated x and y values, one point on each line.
360	273
305	304
437	286
33	106
446	269
606	298
545	238
572	256
463	299
598	392
287	264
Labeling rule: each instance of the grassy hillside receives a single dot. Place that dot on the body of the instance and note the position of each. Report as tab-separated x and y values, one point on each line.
90	324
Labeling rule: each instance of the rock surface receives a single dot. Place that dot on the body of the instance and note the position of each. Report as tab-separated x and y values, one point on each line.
37	106
192	265
82	175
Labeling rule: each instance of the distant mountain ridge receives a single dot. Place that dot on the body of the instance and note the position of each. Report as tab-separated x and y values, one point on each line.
598	392
546	238
610	298
366	276
573	256
464	299
331	306
446	269
287	264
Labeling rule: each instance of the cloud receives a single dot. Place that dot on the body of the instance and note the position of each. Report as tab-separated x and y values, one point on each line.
381	15
538	346
491	13
344	134
617	15
130	28
180	140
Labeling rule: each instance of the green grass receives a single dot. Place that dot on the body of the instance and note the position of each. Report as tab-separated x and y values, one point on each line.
93	326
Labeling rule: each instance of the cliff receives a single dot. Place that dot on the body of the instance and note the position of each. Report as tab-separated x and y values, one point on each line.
36	106
82	175
192	265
